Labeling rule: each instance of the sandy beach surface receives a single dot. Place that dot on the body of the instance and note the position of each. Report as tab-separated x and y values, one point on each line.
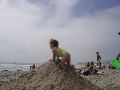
49	77
8	76
107	79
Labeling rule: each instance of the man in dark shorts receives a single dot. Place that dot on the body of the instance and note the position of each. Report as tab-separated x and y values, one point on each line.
98	59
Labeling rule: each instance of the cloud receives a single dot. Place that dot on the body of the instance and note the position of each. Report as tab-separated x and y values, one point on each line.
25	30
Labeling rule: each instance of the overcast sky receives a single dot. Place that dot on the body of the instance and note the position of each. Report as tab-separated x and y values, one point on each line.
82	27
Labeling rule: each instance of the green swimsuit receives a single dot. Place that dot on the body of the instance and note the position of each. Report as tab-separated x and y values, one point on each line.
60	52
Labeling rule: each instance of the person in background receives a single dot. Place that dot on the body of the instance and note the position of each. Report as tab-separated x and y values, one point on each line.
92	67
86	69
118	57
98	60
32	67
88	64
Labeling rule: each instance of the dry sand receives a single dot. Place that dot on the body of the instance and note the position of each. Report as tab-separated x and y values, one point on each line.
8	76
108	80
49	77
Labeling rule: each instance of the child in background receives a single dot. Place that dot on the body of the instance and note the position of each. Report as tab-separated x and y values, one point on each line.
58	52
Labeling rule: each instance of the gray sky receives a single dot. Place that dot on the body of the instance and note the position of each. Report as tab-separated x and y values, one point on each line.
26	27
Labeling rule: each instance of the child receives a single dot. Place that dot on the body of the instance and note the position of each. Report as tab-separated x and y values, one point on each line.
58	52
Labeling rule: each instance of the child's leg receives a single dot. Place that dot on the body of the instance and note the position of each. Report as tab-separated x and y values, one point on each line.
62	64
66	60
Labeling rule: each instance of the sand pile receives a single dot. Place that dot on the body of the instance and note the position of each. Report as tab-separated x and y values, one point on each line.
49	77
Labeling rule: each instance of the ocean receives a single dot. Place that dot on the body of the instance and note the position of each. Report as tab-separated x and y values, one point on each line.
15	66
79	65
26	66
23	66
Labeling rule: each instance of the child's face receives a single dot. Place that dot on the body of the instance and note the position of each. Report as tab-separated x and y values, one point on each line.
51	46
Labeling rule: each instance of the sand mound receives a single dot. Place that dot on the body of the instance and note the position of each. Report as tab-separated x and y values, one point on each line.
49	77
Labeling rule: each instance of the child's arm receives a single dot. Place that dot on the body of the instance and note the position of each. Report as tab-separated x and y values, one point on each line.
54	54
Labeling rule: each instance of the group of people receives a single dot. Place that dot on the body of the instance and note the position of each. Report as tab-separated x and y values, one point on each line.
90	68
62	57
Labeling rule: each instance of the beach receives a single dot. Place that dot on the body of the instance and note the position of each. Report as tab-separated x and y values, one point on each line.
8	76
48	77
108	79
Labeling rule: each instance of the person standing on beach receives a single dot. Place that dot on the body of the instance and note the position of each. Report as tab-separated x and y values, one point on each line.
59	53
119	33
98	59
118	56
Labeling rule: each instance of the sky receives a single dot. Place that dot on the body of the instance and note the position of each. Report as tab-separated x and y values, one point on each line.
82	28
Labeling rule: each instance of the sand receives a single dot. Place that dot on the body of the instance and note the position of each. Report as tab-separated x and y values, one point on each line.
8	76
108	80
50	77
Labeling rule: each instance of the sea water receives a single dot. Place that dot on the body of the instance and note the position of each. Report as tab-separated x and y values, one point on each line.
15	66
79	65
26	66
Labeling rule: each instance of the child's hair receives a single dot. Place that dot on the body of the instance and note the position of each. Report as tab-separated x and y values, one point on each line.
54	42
97	52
